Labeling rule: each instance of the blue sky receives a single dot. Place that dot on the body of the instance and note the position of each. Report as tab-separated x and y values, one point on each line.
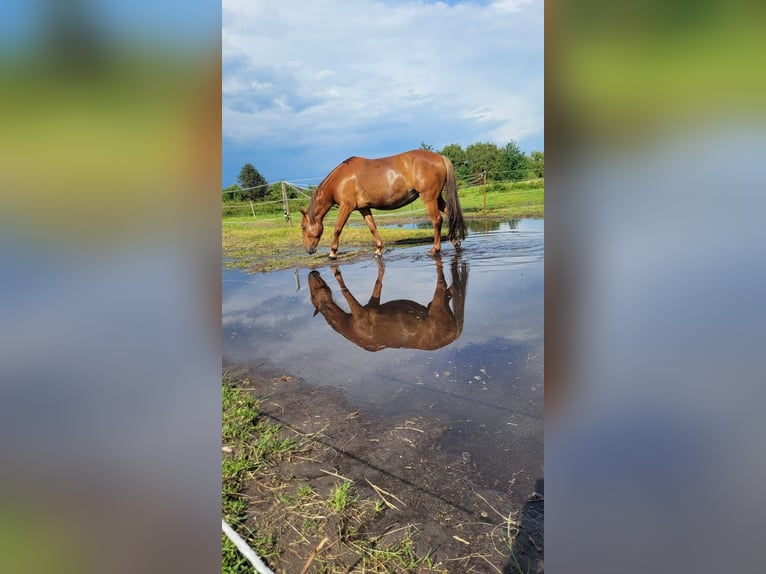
307	84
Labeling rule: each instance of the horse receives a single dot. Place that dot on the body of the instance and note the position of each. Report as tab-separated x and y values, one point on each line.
400	323
386	183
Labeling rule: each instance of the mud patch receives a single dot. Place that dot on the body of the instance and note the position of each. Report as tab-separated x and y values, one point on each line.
411	495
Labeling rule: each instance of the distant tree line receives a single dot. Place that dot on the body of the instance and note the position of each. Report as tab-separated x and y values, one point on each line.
251	185
506	163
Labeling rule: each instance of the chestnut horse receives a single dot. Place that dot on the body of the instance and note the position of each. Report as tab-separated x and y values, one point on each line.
396	324
387	183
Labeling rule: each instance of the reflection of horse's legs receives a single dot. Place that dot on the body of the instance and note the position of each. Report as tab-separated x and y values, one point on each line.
374	230
441	297
343	214
376	290
432	207
356	307
458	288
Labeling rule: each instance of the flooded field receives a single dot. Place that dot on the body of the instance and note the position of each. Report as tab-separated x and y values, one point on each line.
455	341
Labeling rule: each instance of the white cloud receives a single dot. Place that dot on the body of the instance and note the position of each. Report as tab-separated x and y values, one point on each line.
313	72
510	5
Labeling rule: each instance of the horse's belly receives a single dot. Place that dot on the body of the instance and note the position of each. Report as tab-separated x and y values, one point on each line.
396	201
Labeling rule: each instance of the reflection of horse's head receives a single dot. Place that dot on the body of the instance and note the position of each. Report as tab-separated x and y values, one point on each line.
401	323
321	294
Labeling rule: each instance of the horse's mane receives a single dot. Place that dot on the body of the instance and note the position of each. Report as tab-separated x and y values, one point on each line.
325	181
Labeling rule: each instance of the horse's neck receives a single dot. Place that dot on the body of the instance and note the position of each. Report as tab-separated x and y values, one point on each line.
322	201
336	317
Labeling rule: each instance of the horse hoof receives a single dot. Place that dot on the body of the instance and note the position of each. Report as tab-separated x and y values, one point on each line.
333	255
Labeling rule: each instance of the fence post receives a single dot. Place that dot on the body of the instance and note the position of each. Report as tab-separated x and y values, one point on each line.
484	174
285	203
252	208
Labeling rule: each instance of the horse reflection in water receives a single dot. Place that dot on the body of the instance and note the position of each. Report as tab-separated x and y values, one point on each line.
396	324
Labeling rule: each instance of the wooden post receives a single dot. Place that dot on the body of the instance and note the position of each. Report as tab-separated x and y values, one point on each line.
285	203
251	208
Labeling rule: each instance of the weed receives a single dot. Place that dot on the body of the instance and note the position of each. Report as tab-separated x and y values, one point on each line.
304	491
341	496
232	561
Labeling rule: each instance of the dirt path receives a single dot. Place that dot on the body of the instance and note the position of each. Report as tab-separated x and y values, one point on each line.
411	494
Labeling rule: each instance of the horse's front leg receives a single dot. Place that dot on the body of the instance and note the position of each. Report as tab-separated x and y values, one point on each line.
343	214
367	214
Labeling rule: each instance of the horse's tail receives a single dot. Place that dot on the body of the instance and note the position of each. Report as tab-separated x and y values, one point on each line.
454	211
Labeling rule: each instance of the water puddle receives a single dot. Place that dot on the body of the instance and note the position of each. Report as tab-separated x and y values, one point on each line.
458	339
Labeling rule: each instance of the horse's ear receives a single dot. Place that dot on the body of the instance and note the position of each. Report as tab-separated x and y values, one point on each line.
315	312
303	211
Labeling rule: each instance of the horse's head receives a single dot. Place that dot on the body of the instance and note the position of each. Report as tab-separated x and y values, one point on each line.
311	229
321	295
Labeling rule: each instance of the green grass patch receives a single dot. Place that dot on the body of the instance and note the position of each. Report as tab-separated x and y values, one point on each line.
341	496
249	443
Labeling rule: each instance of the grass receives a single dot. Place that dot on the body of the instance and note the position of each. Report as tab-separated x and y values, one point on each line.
266	242
341	496
248	444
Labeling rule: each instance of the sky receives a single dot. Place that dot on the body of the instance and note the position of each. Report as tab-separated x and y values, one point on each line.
306	85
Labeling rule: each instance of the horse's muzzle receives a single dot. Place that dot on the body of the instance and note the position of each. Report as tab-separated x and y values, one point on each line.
311	250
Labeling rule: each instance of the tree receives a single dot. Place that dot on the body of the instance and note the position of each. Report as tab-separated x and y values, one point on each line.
232	193
250	178
536	163
484	157
425	146
274	191
513	163
456	154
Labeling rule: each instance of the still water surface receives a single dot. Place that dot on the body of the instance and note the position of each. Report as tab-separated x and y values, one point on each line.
484	380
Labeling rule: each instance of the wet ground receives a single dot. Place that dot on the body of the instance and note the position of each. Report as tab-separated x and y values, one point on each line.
454	343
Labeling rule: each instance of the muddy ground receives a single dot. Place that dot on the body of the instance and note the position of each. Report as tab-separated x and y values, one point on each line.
431	499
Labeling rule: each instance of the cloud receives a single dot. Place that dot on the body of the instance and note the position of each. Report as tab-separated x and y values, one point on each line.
299	73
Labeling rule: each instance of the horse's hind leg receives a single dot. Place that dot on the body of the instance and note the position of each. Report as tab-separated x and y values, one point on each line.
433	208
367	214
443	207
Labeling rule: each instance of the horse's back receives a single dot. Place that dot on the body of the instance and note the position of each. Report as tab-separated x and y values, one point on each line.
391	178
401	161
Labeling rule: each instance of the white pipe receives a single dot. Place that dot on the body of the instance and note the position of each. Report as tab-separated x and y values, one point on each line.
246	551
